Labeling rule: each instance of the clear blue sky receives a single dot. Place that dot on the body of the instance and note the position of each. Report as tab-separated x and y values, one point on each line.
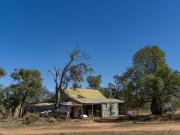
37	33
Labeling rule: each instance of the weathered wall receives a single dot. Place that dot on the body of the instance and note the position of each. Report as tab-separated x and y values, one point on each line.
110	110
105	110
114	109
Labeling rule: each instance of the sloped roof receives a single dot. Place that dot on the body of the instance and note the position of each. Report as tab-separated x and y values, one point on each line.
89	96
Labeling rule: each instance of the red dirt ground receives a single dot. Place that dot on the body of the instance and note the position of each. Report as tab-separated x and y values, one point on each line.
90	126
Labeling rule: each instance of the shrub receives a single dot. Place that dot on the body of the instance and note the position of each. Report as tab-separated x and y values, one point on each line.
51	120
30	118
176	117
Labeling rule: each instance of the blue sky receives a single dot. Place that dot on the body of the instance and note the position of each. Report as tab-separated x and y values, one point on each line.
38	33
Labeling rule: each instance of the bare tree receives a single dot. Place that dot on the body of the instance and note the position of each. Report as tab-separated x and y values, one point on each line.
73	71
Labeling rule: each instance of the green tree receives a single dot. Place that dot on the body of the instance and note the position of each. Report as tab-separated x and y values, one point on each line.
47	96
1	101
10	101
94	81
151	78
2	72
28	88
106	92
117	87
72	72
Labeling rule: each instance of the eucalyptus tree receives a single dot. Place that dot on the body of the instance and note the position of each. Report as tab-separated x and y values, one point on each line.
116	88
28	87
150	78
2	73
94	82
73	72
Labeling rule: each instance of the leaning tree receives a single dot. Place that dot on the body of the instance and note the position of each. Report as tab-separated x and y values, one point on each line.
73	72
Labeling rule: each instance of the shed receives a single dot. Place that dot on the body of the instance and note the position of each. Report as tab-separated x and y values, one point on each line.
40	107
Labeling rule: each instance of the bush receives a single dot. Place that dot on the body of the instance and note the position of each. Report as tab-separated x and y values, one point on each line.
176	117
1	116
142	118
30	118
51	120
176	103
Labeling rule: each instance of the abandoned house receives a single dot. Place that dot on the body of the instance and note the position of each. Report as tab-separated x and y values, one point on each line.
90	103
84	103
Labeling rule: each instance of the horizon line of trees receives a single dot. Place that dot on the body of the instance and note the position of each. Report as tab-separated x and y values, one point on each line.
148	81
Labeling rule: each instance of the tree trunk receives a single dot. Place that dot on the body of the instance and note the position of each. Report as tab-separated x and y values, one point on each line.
58	97
61	97
156	107
20	110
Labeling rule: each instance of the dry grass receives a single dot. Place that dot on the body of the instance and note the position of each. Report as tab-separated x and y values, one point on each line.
122	133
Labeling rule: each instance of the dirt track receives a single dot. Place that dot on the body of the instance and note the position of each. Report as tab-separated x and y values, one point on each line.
90	126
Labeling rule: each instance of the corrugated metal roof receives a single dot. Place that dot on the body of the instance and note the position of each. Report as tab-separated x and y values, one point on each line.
89	96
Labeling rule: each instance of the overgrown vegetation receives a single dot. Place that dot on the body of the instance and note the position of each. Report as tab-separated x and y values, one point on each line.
27	89
148	81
